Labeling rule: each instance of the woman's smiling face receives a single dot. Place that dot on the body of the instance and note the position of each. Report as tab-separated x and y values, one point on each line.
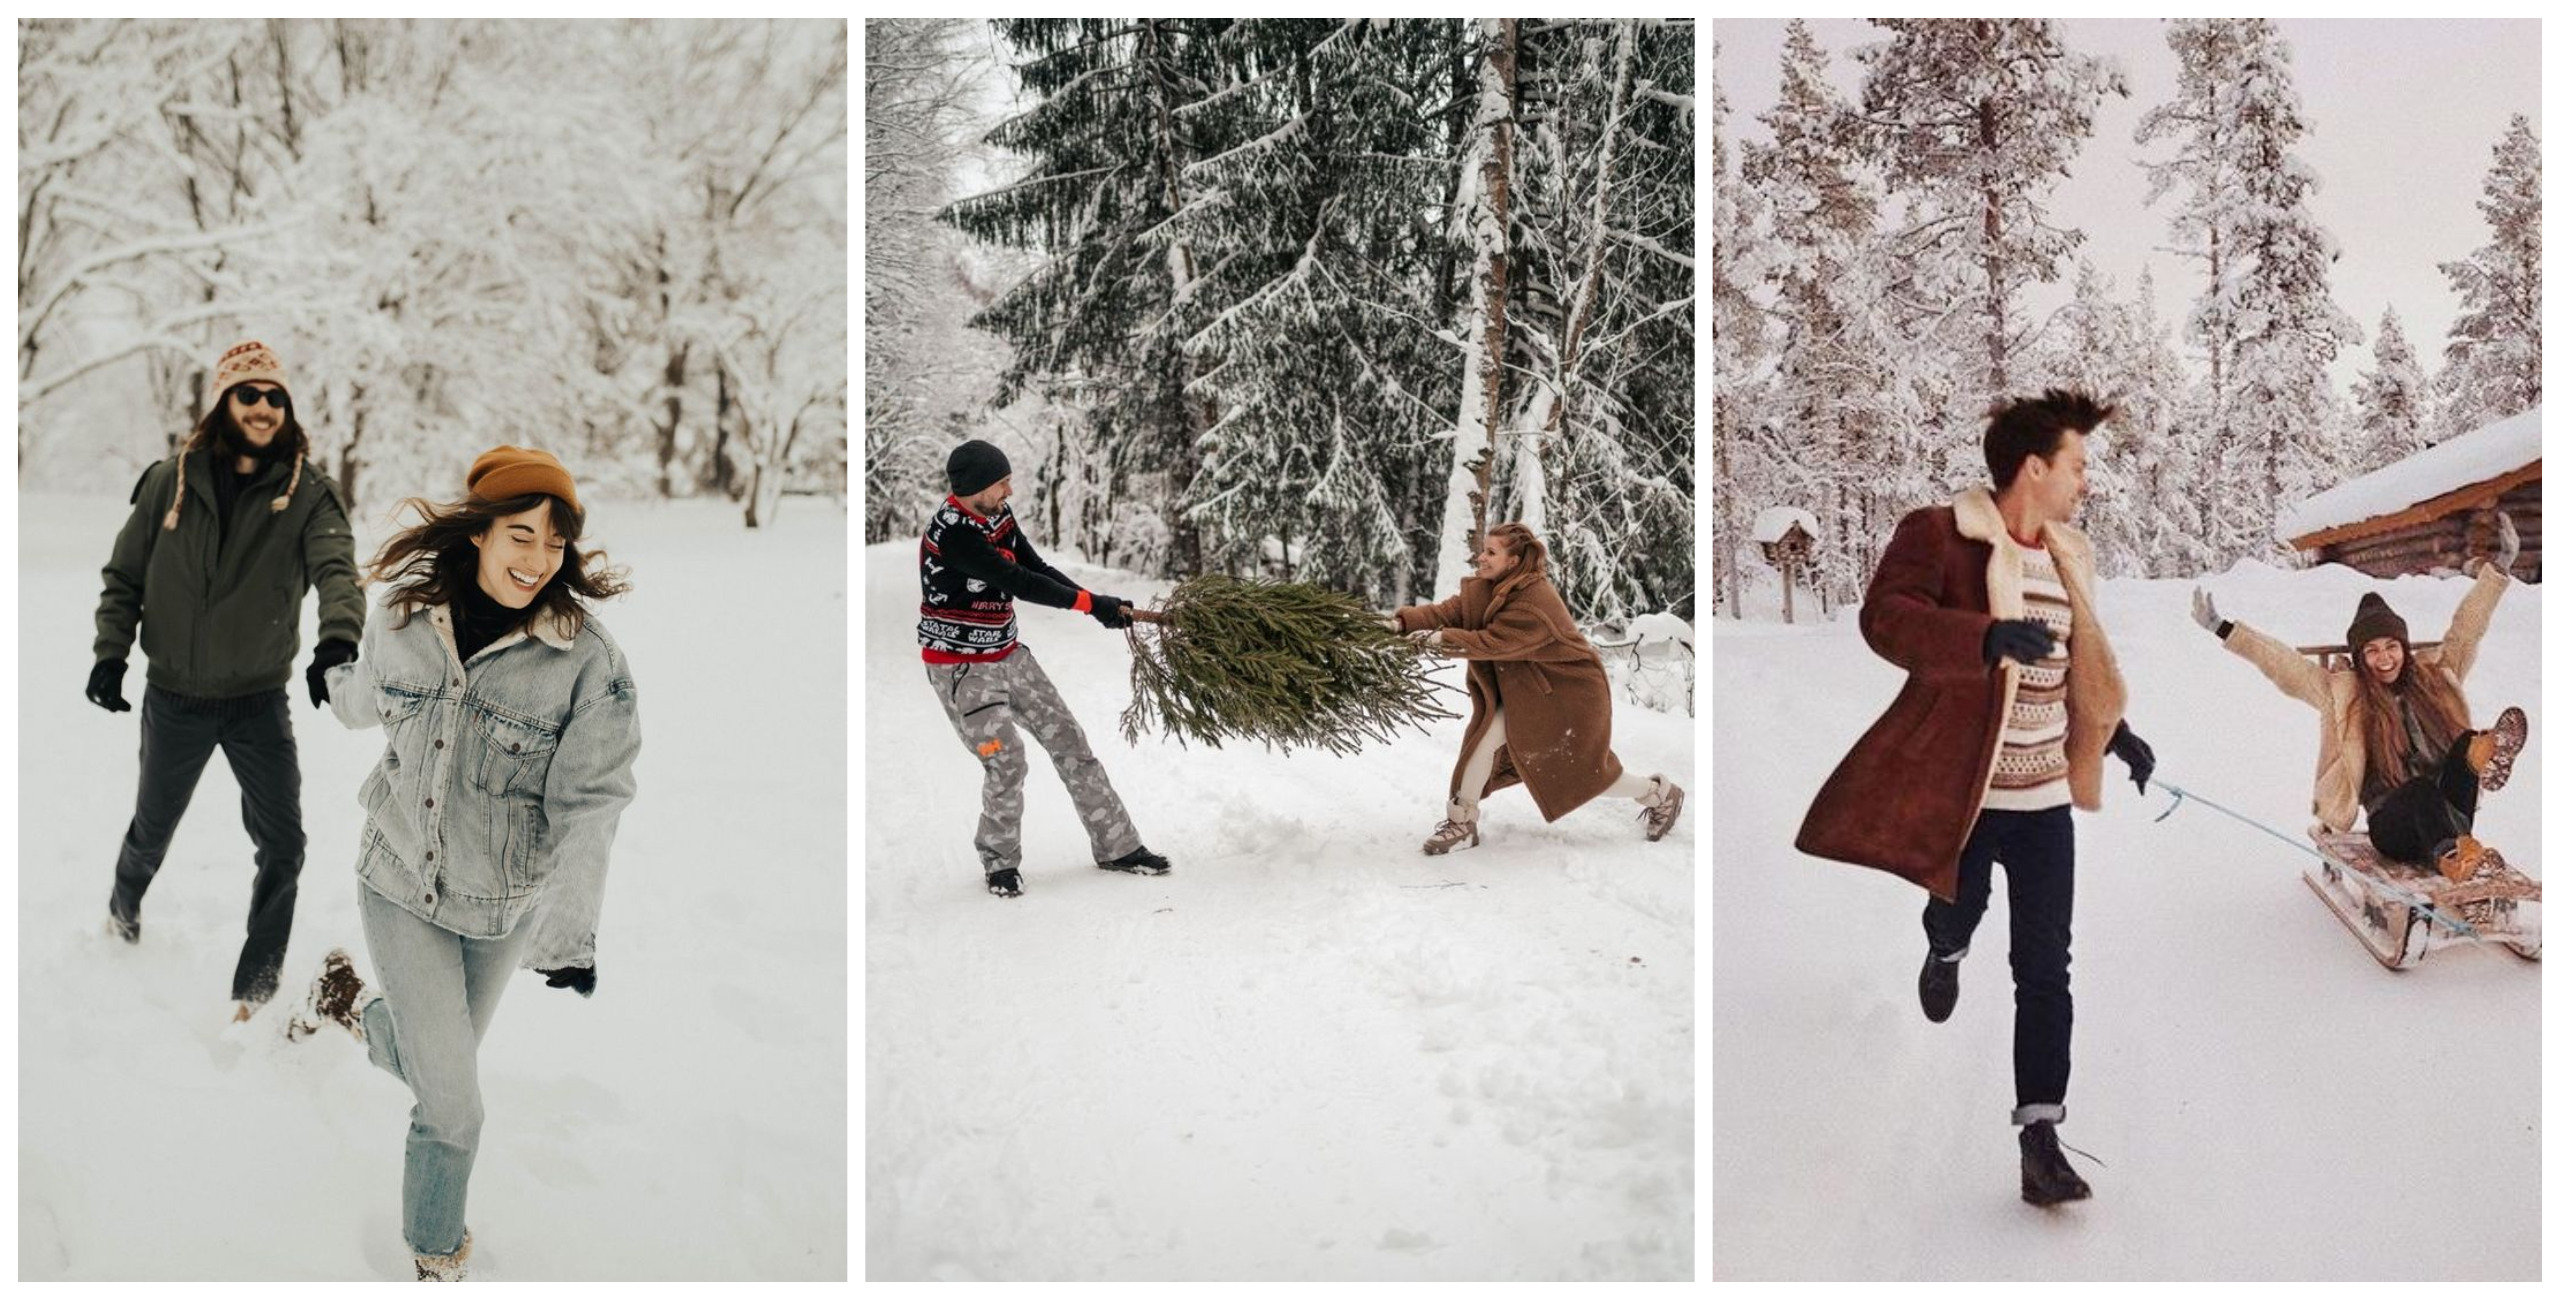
518	555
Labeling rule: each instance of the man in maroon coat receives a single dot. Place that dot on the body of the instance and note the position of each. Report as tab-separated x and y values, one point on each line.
2013	699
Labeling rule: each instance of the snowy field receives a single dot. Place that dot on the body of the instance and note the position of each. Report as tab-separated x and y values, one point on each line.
1310	1052
688	1122
2268	1101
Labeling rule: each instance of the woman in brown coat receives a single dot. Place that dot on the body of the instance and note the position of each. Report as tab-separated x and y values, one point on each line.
1539	696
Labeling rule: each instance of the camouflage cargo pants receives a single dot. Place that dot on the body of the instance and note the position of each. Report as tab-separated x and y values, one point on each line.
984	701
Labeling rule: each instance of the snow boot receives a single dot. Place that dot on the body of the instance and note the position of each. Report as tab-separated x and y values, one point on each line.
1457	830
1005	884
2044	1177
1138	862
446	1268
2459	858
337	997
127	928
2493	752
1659	818
1938	988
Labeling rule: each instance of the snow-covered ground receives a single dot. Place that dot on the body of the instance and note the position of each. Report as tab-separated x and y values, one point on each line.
1310	1052
687	1122
2268	1101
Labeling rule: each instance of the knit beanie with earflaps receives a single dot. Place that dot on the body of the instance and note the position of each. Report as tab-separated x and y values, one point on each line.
504	473
2375	620
246	363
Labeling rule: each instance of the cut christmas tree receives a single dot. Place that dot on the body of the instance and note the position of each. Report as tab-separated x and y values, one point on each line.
1289	664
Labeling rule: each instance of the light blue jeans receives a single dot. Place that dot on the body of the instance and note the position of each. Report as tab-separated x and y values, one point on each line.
439	993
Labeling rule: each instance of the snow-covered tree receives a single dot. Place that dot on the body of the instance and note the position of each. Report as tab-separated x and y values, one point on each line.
2493	361
2390	418
1974	120
1742	340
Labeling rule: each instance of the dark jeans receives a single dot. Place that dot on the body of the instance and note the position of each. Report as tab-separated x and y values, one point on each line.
2412	821
2036	848
255	733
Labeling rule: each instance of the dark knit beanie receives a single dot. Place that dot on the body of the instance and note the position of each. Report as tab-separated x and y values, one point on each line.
975	466
2375	620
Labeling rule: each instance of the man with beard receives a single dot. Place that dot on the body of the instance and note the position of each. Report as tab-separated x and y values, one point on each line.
211	568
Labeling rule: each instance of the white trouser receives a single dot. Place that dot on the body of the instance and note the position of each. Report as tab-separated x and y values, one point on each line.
1479	771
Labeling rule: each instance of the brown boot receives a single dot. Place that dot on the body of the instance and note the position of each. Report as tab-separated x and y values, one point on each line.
337	997
446	1268
1457	830
2461	858
1659	818
2493	752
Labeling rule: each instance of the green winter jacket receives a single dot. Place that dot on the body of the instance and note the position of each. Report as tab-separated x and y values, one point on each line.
220	607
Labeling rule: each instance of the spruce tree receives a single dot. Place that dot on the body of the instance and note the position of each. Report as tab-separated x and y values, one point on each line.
2493	361
2390	400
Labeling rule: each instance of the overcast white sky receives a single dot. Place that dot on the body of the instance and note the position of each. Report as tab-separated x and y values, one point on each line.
2403	115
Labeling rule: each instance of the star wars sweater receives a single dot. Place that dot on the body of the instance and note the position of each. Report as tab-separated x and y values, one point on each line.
974	567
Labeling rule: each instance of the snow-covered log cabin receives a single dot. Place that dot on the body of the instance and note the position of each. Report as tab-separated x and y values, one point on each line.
2433	510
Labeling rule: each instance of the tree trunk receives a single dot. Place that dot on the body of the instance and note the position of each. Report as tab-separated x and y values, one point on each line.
1480	402
675	419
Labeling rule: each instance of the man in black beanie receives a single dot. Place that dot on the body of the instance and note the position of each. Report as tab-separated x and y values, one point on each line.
975	563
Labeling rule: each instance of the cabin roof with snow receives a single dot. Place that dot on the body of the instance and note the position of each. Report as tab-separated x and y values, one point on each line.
2457	474
1772	524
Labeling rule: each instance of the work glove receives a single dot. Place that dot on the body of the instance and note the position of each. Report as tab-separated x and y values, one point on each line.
1111	611
2136	755
2022	639
1428	639
2206	616
325	656
106	686
581	978
1391	621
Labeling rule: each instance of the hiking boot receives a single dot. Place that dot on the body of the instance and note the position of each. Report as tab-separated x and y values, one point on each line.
1139	861
1938	988
1005	884
2044	1177
446	1268
1450	835
2460	857
1659	818
2493	752
337	998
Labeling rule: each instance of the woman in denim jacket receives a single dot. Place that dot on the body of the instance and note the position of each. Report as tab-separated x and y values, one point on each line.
511	725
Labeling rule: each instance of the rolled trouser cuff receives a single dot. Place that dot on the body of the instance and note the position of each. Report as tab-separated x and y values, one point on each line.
2041	1112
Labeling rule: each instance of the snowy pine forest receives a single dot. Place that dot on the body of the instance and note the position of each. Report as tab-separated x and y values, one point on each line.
623	242
1311	299
1889	260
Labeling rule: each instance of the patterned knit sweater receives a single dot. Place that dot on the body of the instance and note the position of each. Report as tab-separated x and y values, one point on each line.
2032	772
972	568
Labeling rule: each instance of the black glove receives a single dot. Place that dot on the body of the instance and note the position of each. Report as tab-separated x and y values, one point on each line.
325	656
1111	610
2136	755
581	978
2021	639
106	686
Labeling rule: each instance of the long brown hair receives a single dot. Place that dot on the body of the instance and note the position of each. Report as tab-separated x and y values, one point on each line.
2435	699
431	562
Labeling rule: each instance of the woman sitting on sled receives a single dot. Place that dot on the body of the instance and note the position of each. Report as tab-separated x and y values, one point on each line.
2395	730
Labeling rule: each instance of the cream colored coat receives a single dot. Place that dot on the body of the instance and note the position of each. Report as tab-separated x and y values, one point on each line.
2336	788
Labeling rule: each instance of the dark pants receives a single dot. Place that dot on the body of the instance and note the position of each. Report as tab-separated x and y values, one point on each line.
255	733
2036	849
2413	821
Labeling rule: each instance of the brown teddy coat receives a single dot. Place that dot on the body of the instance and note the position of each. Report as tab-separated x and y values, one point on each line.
2336	788
1906	798
1526	658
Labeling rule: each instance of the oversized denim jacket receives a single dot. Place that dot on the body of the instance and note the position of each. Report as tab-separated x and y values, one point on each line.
503	779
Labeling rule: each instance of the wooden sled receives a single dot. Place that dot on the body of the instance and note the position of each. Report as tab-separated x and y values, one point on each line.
2501	904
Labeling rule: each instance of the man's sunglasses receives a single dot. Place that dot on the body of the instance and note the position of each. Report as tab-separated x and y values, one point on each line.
271	396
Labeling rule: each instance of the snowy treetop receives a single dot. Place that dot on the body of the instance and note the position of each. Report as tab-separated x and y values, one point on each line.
1773	523
2475	457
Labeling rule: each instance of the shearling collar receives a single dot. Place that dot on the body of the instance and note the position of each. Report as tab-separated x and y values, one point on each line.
1978	517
